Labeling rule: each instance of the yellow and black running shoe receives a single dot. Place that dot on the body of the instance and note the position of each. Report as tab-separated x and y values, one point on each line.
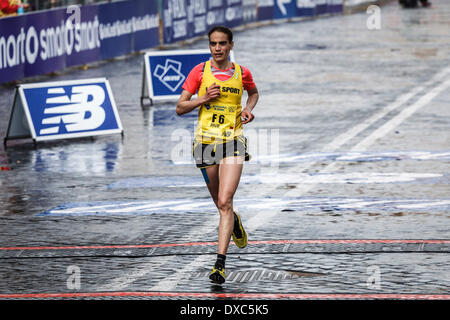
239	235
217	275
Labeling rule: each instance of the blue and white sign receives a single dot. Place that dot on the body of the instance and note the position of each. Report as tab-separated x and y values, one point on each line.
65	109
285	9
166	71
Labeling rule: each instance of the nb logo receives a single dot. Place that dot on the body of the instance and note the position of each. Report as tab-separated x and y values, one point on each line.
79	111
170	74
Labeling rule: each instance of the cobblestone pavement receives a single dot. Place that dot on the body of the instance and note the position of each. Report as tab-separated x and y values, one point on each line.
350	142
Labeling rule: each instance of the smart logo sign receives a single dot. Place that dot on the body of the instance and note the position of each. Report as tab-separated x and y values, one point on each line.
49	40
170	74
67	109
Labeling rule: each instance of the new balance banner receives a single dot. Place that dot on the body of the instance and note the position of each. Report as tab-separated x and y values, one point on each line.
65	109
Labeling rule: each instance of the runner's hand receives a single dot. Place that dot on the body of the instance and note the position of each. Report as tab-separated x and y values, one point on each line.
246	116
212	92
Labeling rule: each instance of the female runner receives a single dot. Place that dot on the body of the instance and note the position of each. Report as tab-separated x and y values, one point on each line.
219	145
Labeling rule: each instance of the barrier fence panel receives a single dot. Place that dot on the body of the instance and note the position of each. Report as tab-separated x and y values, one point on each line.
45	41
185	19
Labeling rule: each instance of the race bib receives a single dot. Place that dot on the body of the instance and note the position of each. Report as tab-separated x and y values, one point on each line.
219	121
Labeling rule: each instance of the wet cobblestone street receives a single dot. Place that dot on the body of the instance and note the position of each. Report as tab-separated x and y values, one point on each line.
347	192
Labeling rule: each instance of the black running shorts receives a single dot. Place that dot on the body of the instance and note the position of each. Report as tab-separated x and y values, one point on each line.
206	155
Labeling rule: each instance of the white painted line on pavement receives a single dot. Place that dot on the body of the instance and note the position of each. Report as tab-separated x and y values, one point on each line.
351	133
402	116
128	278
171	282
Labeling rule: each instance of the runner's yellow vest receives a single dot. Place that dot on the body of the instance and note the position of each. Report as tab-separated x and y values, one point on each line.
219	120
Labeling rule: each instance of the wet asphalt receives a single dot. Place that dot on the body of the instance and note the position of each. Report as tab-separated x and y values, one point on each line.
351	140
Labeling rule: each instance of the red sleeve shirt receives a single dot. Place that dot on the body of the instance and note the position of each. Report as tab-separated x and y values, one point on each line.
194	79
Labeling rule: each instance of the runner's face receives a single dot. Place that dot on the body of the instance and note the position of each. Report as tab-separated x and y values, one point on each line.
220	46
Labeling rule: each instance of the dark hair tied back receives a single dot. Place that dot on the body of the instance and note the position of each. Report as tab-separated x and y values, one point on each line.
222	29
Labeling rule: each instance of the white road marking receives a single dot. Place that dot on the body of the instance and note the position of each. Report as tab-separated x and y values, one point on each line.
422	205
143	270
400	101
171	282
256	205
402	116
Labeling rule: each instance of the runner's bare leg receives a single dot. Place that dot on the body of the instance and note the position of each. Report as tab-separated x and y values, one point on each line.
230	170
213	185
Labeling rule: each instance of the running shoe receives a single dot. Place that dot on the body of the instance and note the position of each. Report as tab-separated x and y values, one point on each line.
239	235
217	275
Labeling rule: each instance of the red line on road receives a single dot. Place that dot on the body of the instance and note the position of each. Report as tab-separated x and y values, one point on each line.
191	244
300	296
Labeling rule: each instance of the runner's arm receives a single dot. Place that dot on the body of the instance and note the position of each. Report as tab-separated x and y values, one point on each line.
186	105
252	99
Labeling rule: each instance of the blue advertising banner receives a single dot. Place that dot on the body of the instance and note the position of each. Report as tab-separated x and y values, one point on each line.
279	9
197	19
64	109
285	9
249	11
321	6
229	14
41	42
116	30
184	19
318	7
265	9
335	6
145	24
306	8
175	20
82	44
45	41
165	71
